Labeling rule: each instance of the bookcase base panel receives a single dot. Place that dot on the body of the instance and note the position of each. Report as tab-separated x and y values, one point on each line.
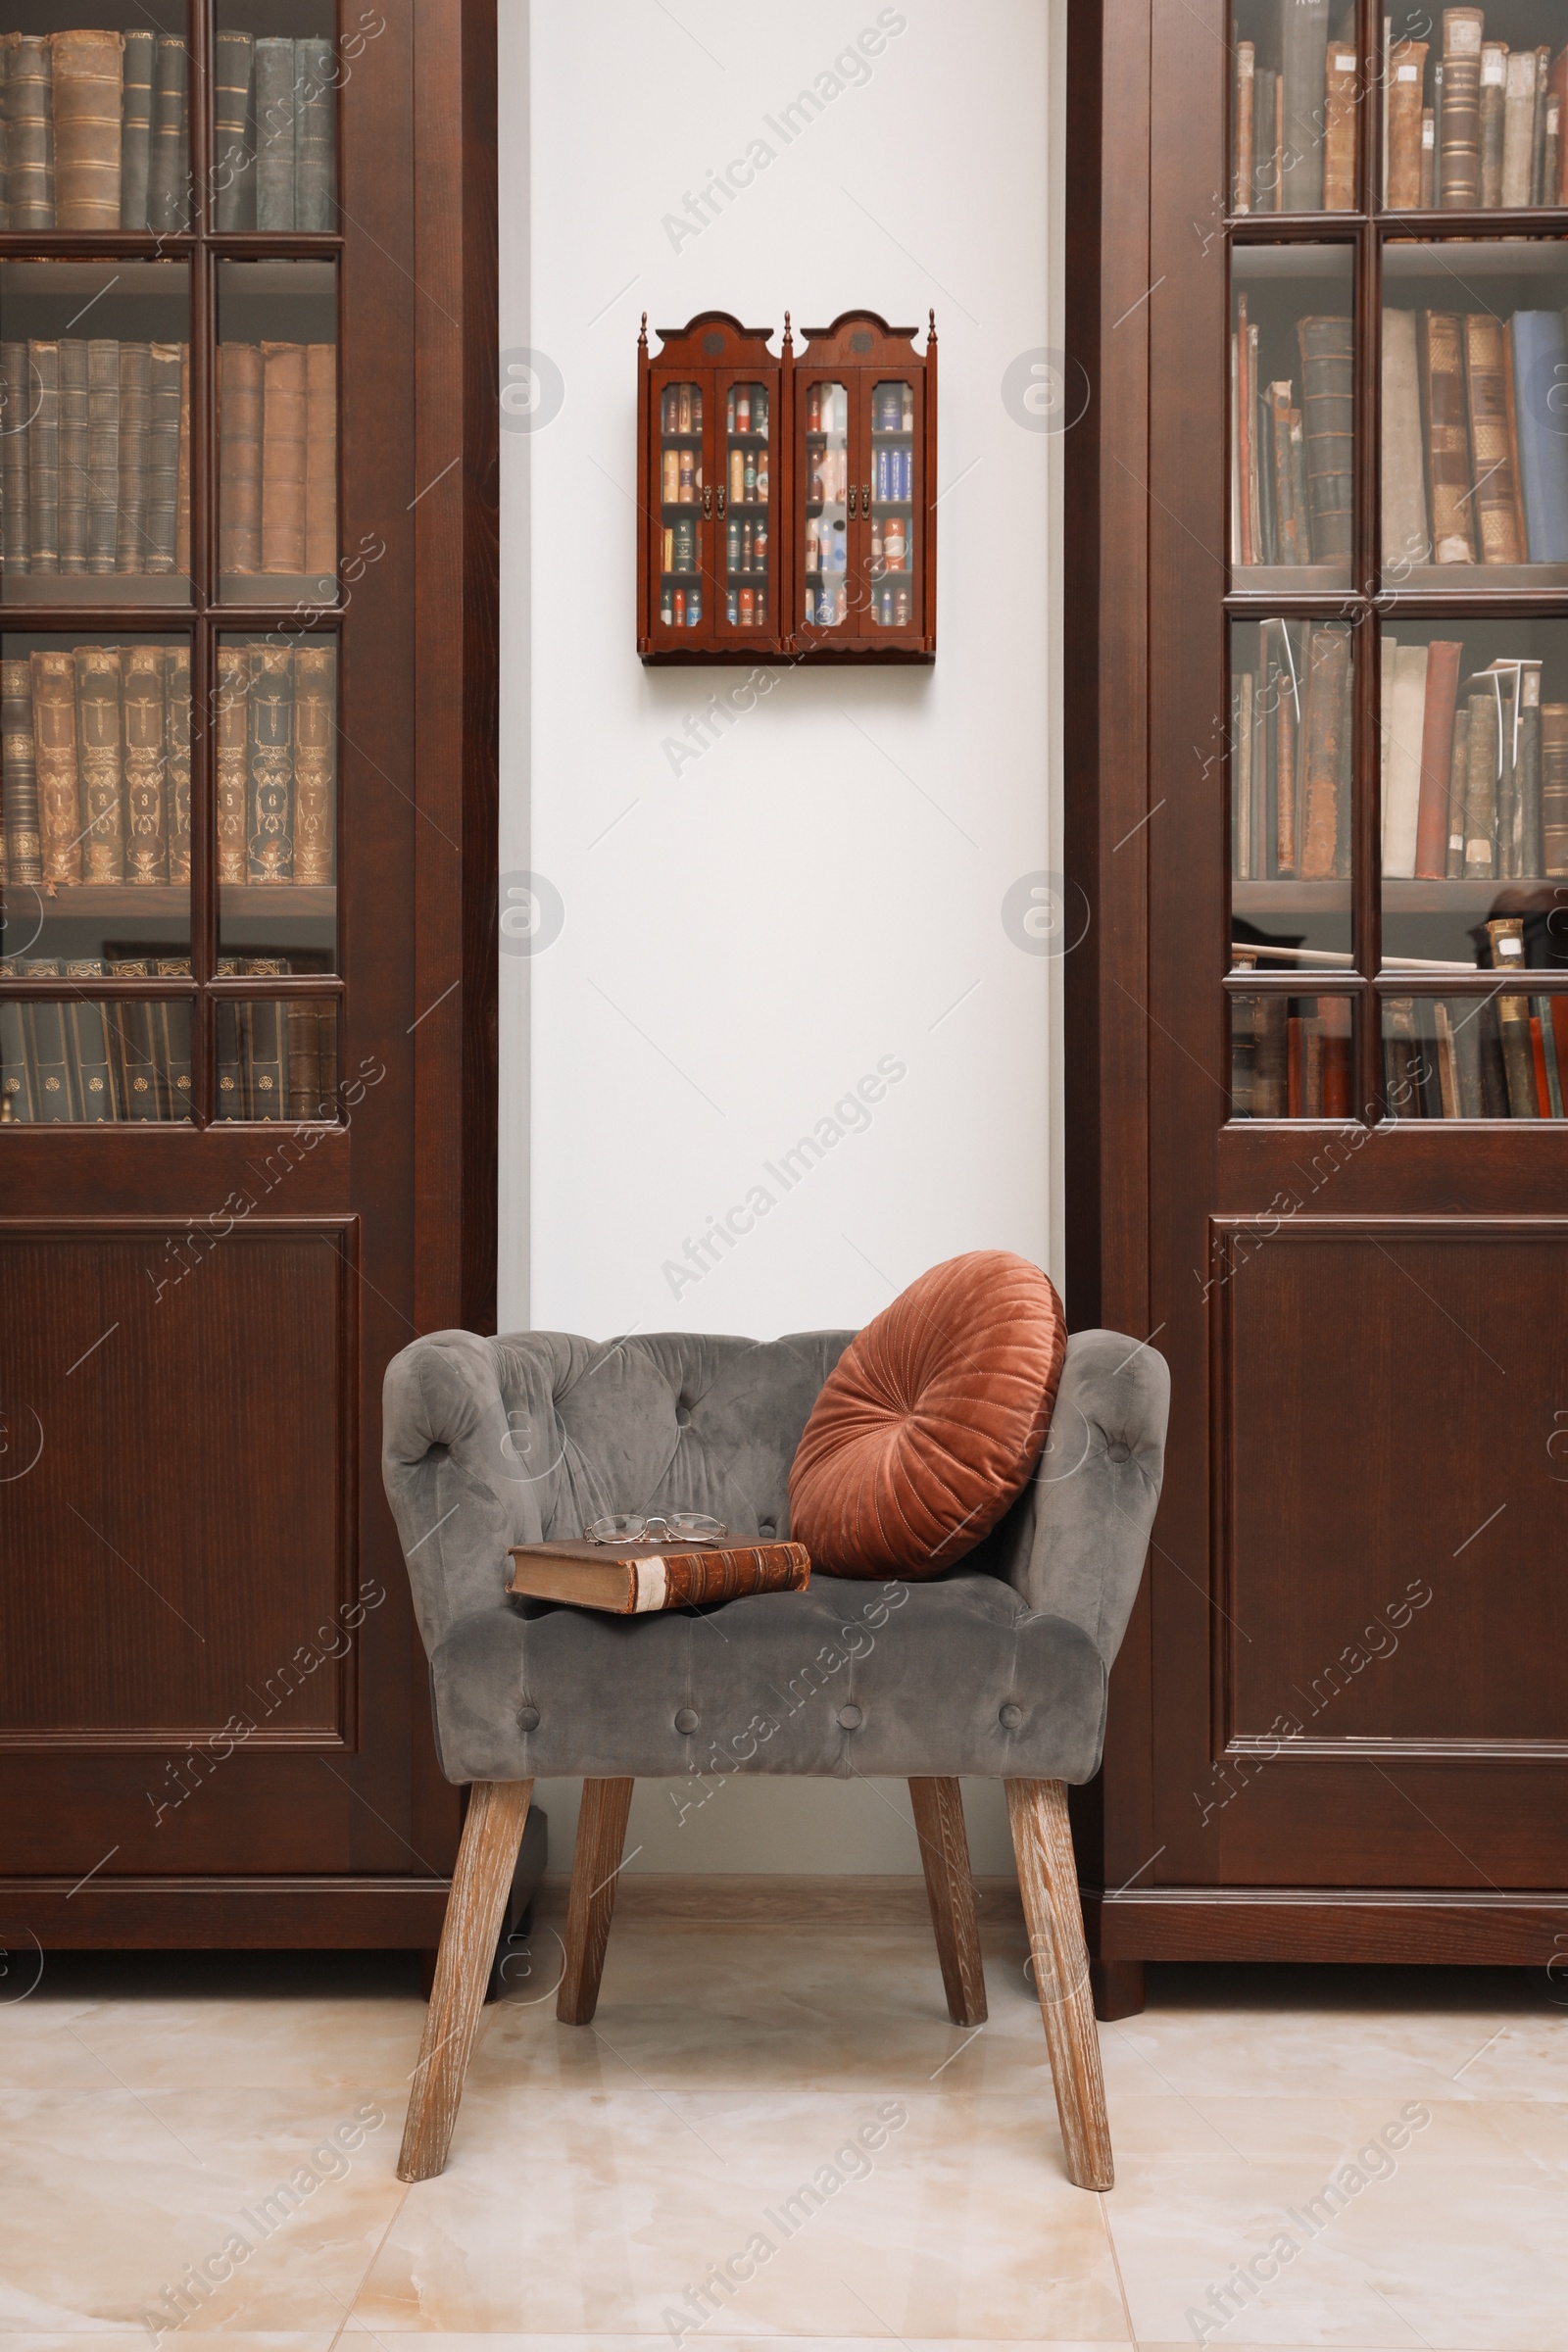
782	658
240	1914
1352	1925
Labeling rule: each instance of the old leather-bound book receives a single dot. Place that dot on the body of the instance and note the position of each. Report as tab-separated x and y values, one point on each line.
86	107
274	132
135	428
29	132
100	761
135	126
103	453
162	455
314	759
1461	158
168	193
1520	112
54	735
1491	113
321	461
270	838
1327	703
43	457
1302	51
146	815
1437	758
176	729
1406	539
304	1049
284	419
239	457
1481	780
1339	135
1408	66
629	1580
17	393
182	478
1328	401
1554	788
1448	438
233	134
314	147
1241	157
1270	1058
19	754
1492	438
72	455
135	1042
233	759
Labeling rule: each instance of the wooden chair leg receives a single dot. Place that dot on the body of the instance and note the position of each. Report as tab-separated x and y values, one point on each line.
595	1867
950	1890
480	1884
1047	1875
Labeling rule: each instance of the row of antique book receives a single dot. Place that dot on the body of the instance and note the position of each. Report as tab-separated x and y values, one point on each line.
1475	447
95	459
95	780
95	132
1474	769
1468	124
1292	461
1499	1056
82	1060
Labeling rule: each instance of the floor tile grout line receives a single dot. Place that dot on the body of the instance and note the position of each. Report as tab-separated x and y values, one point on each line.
1116	2264
375	2257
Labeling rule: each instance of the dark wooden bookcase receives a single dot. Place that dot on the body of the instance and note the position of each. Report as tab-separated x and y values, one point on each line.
848	437
1336	1730
214	1727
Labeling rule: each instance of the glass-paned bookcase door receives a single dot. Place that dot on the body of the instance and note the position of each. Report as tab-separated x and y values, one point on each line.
97	119
1473	117
680	409
826	473
744	510
1292	408
277	431
1294	106
276	70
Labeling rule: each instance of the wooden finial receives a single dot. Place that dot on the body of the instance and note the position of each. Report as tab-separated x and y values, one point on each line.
931	331
789	338
642	338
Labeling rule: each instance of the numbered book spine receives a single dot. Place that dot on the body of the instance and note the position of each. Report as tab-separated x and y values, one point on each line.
24	844
315	142
164	374
103	453
88	1032
270	850
234	132
98	762
54	736
239	457
43	457
135	424
30	135
274	133
234	769
133	1023
171	1027
176	736
135	127
315	760
16	389
146	820
86	69
73	456
284	446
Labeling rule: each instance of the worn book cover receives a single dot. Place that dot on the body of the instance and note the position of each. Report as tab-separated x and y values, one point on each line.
633	1578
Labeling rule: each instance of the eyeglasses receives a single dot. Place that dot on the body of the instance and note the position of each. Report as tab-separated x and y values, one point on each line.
681	1527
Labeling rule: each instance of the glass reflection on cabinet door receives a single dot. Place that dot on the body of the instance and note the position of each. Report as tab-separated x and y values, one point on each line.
742	502
828	487
680	496
892	507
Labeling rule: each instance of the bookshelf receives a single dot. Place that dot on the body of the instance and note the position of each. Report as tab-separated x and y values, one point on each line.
247	810
787	506
1318	1075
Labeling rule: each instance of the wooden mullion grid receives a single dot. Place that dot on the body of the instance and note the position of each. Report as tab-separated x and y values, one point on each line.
200	53
264	986
1366	862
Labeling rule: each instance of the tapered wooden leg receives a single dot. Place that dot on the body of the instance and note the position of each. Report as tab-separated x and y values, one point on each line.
950	1890
1047	1875
595	1866
480	1884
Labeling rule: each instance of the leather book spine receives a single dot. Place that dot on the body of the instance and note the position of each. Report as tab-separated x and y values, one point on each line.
234	132
270	844
54	1095
1407	68
168	193
54	738
162	455
1429	158
1338	1089
1481	786
135	427
314	140
16	1072
30	135
1555	169
1492	121
177	737
86	68
1448	438
1339	135
1287	522
1443	657
1246	427
1510	406
693	1578
1537	153
239	457
274	133
314	759
1528	848
1518	1057
1554	790
1558	1018
233	759
1458	792
182	471
143	708
1521	72
16	386
99	762
1242	97
103	453
304	1058
43	457
1328	401
1285	749
1270	1058
326	1056
1326	696
170	1028
7	41
229	1098
88	1033
321	461
1401	1056
73	456
1406	537
1496	492
1460	129
132	1022
135	127
1304	73
284	446
263	1044
18	753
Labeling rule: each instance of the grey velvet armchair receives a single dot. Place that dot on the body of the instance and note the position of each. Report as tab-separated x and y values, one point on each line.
998	1668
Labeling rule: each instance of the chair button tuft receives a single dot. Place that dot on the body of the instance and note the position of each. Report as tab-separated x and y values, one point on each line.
1009	1717
686	1719
765	1527
851	1718
527	1719
682	1417
1119	1453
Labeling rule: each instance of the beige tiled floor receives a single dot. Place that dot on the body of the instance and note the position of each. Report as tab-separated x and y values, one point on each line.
150	2108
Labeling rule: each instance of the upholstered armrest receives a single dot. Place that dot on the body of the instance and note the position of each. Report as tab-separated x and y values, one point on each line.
1075	1541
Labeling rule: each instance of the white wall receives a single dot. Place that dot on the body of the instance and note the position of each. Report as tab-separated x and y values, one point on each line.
742	940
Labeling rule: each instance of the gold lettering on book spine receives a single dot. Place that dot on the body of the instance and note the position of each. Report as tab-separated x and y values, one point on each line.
314	759
54	734
233	756
146	835
270	853
98	762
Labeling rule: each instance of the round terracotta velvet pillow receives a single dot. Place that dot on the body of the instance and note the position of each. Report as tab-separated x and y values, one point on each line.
931	1420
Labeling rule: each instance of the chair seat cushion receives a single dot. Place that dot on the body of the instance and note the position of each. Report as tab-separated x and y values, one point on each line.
931	1421
958	1676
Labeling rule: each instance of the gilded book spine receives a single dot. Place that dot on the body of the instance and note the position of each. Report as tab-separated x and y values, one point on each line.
163	455
233	134
274	133
54	736
1328	400
73	456
98	762
1554	788
1327	702
146	821
135	424
239	457
284	446
30	135
1408	64
23	845
1491	113
177	683
103	453
1481	786
1461	108
1496	479
1448	438
314	164
43	457
135	127
269	855
315	760
87	101
15	392
233	768
167	200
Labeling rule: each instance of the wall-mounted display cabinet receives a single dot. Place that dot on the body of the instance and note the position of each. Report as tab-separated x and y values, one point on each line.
787	508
